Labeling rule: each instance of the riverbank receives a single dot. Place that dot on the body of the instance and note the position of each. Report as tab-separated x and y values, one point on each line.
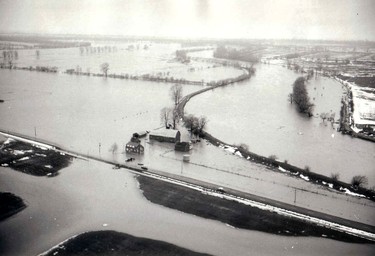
233	213
10	205
115	243
347	110
32	159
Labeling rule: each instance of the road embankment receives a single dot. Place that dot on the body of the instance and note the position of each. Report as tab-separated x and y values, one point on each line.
349	227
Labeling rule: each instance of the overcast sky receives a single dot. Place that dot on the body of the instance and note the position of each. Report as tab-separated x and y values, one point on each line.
285	19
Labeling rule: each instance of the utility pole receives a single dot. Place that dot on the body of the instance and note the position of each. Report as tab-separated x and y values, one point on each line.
295	195
35	131
99	147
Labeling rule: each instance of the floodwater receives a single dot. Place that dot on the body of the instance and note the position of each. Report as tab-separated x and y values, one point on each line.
88	115
158	60
83	114
256	112
89	196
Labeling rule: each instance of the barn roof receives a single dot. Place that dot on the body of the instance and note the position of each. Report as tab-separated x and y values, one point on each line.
168	133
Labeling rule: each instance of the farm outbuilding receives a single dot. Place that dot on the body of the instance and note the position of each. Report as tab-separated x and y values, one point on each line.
182	146
166	135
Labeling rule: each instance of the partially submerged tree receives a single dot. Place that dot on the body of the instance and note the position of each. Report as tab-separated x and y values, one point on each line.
104	68
290	97
195	124
113	148
175	117
301	98
166	116
176	93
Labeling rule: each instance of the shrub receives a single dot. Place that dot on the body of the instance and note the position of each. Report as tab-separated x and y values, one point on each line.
307	168
244	146
272	157
335	176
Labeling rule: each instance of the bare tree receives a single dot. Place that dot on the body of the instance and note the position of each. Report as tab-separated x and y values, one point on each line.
195	125
104	68
358	181
176	93
191	122
165	116
202	122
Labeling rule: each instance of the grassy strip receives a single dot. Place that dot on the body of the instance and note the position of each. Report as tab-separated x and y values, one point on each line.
233	213
10	205
32	160
115	243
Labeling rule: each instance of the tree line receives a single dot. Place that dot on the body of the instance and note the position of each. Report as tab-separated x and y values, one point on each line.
300	97
235	54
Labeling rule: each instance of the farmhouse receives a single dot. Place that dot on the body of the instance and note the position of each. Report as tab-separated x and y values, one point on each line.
166	135
134	147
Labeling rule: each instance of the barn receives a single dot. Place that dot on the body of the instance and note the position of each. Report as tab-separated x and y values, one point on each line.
166	135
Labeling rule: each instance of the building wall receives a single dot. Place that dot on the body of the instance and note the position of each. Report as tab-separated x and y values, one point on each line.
163	139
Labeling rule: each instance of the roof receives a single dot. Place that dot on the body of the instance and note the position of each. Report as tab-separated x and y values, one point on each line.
134	144
169	133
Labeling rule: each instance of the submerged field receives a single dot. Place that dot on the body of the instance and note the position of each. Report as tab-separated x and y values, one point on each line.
91	114
257	113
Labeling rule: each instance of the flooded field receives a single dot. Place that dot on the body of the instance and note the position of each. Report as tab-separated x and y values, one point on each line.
90	196
157	60
257	113
81	112
90	114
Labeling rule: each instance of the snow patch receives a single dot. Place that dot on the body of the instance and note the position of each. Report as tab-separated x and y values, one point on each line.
230	149
347	191
238	153
9	140
24	158
306	178
282	169
18	152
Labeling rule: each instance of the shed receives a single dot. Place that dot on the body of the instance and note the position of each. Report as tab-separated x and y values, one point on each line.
182	146
134	147
166	135
140	134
